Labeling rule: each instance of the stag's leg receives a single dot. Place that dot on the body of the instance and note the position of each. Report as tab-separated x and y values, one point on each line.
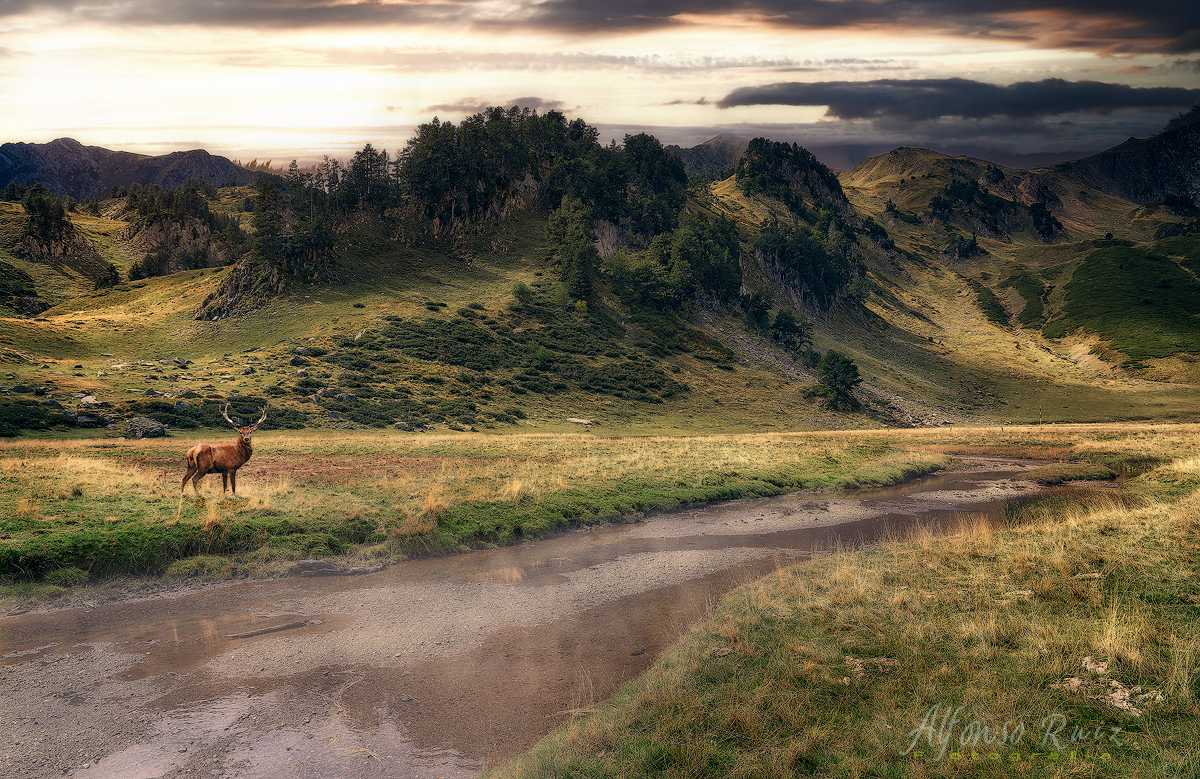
195	476
233	480
224	482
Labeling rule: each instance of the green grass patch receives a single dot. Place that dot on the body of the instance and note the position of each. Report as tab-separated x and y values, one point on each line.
1032	290
991	306
1139	300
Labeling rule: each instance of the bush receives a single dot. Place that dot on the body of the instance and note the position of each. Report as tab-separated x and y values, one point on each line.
522	292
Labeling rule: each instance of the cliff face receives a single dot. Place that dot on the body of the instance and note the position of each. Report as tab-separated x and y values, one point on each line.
1141	170
67	167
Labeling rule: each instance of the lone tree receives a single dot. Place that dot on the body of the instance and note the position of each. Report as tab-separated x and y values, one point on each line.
839	377
792	332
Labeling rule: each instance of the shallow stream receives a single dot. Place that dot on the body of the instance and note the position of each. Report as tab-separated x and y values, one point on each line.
429	668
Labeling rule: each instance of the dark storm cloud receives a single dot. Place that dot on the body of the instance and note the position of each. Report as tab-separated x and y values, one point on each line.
1110	26
931	99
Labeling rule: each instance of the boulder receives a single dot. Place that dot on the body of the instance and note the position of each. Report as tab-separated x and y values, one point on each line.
143	427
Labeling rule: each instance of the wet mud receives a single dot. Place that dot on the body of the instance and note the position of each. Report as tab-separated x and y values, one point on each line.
430	668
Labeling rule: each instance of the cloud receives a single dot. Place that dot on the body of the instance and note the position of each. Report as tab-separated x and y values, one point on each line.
420	60
1107	26
932	99
536	103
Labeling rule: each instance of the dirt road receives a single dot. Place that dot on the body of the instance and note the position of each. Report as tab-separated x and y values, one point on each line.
430	668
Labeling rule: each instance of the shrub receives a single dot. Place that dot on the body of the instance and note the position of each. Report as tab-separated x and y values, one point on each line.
522	292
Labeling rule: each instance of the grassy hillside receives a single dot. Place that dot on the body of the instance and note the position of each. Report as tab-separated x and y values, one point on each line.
963	291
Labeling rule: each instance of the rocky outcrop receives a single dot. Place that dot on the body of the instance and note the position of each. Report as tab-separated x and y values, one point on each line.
248	286
74	247
164	233
67	167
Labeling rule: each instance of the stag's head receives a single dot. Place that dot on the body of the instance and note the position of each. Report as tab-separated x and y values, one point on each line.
245	431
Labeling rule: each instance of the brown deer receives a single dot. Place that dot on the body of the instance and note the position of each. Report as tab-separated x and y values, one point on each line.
225	459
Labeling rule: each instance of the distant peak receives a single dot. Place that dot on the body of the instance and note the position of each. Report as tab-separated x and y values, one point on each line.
1190	117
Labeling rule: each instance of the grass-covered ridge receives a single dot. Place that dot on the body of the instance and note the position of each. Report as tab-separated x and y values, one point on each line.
1062	642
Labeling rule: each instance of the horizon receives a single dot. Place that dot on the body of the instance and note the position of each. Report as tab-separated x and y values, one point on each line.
262	79
835	156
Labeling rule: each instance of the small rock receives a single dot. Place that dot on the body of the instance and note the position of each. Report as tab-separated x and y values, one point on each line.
249	369
298	361
345	397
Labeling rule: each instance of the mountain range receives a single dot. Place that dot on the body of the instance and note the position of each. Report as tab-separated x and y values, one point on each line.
68	168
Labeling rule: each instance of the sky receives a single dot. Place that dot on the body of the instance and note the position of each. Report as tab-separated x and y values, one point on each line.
300	79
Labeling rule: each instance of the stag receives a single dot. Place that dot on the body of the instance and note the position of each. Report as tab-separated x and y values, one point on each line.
225	459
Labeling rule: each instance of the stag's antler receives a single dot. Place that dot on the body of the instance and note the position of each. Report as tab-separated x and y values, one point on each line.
260	419
225	413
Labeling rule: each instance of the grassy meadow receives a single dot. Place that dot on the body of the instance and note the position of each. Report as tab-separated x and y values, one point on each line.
96	507
1060	642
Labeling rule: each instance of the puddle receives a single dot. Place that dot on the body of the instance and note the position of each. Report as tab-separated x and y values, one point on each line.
436	667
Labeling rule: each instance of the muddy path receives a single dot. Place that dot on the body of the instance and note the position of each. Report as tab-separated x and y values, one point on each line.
430	668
